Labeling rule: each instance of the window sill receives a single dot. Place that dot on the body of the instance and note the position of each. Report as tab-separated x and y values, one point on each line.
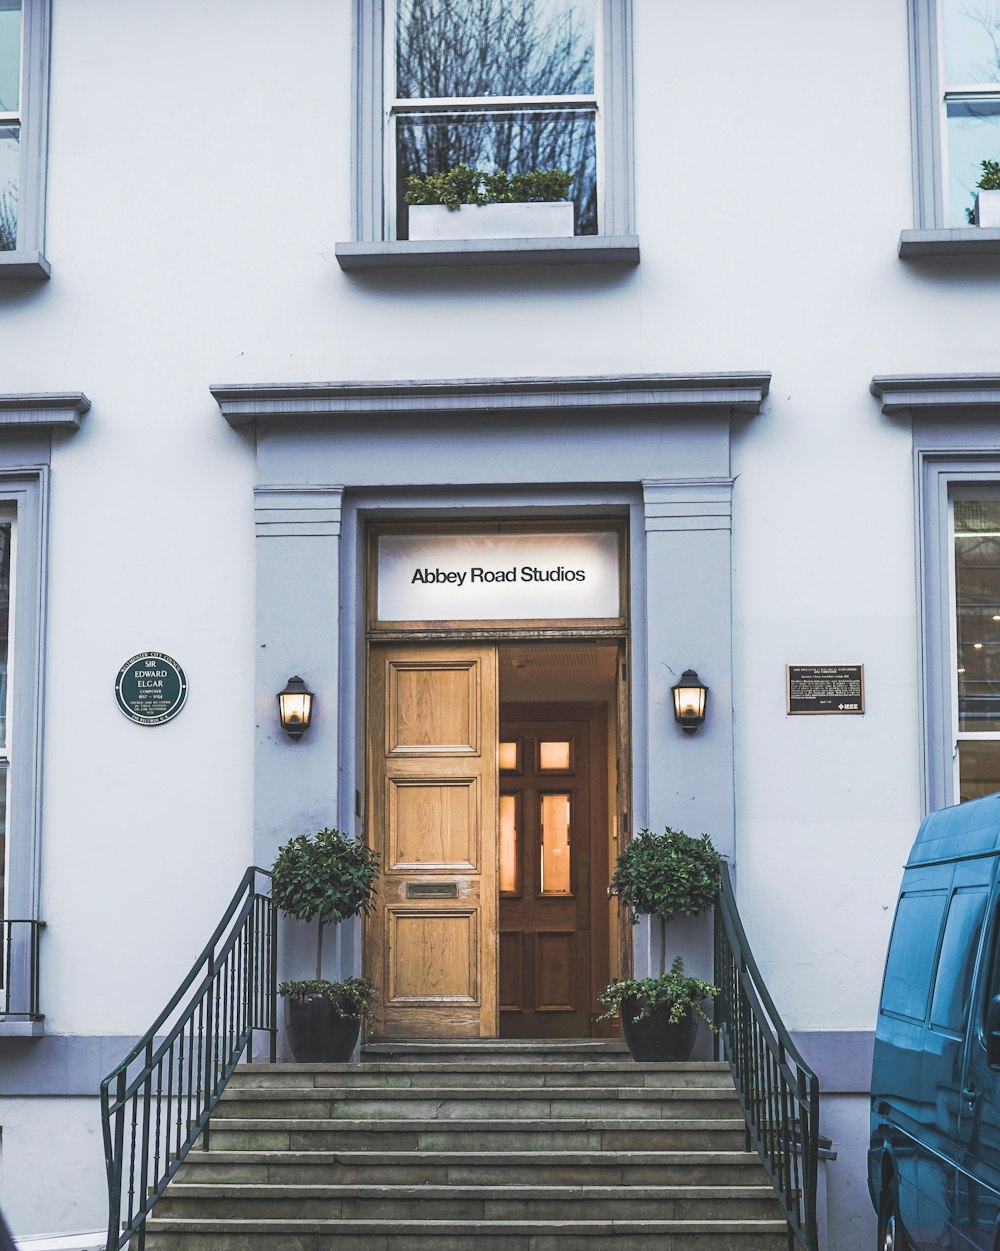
405	254
23	265
20	1028
956	241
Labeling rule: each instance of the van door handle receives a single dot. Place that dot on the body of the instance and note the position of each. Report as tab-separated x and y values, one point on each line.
970	1095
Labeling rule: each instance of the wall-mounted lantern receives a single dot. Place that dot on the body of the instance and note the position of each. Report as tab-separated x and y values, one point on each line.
295	704
690	698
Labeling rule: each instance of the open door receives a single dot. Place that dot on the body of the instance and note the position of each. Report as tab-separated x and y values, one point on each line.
432	805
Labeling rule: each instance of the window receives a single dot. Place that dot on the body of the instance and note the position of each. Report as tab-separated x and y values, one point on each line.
911	953
958	956
24	27
6	565
976	545
494	85
515	86
954	420
970	74
955	72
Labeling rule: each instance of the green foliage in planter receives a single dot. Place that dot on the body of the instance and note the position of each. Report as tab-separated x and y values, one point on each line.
682	994
325	876
666	875
351	998
989	180
465	185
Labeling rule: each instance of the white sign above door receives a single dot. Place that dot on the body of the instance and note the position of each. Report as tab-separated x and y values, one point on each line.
526	576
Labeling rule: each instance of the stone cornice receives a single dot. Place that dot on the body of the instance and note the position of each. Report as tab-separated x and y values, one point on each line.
732	393
903	393
54	410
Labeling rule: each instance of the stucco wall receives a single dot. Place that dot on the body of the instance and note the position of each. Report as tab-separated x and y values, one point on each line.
199	176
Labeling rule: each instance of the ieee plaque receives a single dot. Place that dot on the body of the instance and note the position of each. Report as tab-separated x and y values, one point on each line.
151	688
825	688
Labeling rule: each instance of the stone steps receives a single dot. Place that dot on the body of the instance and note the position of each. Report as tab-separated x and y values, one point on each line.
442	1134
566	1235
465	1103
599	1168
530	1074
472	1203
494	1145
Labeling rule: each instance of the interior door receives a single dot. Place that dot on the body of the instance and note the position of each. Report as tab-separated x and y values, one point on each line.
545	853
432	805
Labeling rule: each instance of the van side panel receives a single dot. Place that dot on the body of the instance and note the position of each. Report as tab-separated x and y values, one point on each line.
897	1112
943	1203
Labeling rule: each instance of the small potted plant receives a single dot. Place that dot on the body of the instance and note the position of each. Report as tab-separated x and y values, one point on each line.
326	877
987	209
659	1014
664	876
467	203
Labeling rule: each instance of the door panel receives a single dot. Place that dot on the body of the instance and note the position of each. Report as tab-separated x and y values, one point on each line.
551	819
432	806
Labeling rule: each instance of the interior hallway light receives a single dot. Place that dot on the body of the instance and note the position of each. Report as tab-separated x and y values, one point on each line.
690	698
295	704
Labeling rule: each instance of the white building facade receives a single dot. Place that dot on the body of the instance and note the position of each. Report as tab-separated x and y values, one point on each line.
758	387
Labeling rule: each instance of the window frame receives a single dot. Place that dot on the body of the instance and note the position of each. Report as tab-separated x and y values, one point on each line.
28	422
932	235
953	420
28	259
374	244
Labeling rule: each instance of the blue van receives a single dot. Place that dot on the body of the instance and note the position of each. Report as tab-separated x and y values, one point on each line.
934	1159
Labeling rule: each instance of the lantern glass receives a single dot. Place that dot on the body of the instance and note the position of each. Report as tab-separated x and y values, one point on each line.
690	696
295	708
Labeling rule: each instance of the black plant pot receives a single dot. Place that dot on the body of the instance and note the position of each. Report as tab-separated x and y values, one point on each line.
654	1038
317	1033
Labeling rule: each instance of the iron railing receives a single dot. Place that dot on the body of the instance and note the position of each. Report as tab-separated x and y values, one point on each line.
157	1102
778	1091
21	943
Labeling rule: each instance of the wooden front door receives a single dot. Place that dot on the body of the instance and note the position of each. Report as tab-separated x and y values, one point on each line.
552	835
432	805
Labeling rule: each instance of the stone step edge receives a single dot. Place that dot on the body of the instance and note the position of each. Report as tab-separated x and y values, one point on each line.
481	1065
347	1094
231	1124
421	1190
318	1225
483	1158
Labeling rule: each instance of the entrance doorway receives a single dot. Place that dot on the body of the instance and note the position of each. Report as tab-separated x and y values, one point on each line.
553	862
493	783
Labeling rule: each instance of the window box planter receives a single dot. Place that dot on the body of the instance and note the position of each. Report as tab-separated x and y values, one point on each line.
543	220
988	208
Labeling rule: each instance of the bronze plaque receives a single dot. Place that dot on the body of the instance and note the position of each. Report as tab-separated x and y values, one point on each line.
838	689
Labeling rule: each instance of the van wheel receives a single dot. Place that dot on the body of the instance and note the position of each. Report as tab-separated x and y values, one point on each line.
890	1231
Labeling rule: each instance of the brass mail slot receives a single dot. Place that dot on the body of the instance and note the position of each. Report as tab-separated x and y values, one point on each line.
431	890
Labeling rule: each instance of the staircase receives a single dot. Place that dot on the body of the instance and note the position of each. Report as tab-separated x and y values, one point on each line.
492	1145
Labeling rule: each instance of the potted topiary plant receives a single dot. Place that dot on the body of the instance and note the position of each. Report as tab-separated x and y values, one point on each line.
326	877
663	875
467	203
659	1014
987	209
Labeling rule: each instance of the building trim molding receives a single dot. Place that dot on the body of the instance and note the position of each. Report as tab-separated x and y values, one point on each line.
901	394
742	393
56	410
428	254
688	504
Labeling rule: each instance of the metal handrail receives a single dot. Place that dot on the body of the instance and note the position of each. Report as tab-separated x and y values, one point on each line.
777	1090
157	1101
20	941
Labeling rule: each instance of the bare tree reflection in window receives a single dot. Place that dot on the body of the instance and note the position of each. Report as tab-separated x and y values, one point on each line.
469	51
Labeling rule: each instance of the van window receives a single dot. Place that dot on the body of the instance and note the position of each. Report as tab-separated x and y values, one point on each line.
958	955
911	953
